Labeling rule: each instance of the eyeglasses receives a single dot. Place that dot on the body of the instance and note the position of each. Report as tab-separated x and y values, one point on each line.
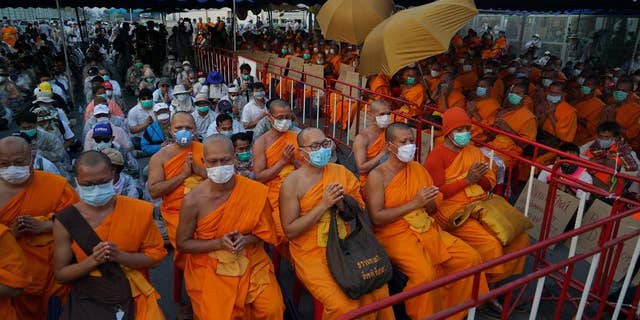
326	143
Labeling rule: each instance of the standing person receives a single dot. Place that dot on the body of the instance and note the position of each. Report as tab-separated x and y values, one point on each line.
114	240
245	81
306	198
28	200
228	274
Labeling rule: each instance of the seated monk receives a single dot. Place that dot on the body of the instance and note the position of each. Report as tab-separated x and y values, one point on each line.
174	171
556	117
127	237
379	86
433	78
369	146
514	117
469	77
412	92
625	112
589	110
28	199
306	197
446	96
274	157
342	110
13	278
462	173
401	200
223	221
483	108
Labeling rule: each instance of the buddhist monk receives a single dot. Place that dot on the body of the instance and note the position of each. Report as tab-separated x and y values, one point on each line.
379	86
306	197
174	171
461	172
468	77
13	278
556	116
589	109
28	200
413	92
483	108
625	112
128	237
446	96
369	146
433	78
401	201
274	156
223	223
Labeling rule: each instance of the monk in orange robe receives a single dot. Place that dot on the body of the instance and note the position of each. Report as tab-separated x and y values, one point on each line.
342	111
468	77
306	198
133	241
223	222
401	200
433	78
625	112
379	84
368	146
515	118
412	92
462	174
334	58
13	278
174	171
274	157
557	117
483	108
28	202
446	96
589	110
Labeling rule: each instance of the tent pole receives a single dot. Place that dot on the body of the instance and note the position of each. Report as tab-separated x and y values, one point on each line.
66	56
234	26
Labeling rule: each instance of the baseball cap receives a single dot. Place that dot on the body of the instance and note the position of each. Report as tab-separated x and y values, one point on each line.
100	109
102	129
160	106
224	106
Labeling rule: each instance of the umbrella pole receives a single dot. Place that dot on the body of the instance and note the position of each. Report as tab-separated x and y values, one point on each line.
80	28
424	83
66	56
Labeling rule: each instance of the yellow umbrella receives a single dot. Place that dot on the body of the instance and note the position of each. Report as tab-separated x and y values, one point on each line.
351	20
414	34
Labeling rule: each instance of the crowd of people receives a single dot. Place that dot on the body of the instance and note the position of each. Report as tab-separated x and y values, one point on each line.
231	169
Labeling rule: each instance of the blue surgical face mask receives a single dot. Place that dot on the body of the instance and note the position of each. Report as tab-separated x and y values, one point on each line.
227	134
184	137
620	95
481	92
554	99
461	139
320	158
521	76
586	90
97	195
411	80
547	82
606	143
514	99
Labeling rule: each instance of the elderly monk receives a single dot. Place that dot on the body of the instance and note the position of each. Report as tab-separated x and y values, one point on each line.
462	173
589	109
13	278
306	197
127	232
557	117
28	200
413	92
369	146
626	112
401	200
223	222
174	171
515	118
274	157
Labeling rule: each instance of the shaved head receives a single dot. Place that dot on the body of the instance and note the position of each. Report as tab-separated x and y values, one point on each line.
393	129
182	116
92	159
14	148
217	142
380	105
218	151
278	104
307	133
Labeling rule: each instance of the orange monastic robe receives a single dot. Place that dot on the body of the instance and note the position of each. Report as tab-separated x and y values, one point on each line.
342	112
467	80
226	286
628	117
454	99
172	201
12	271
380	85
273	154
591	111
372	150
523	122
497	91
133	233
566	122
422	251
472	232
308	251
46	194
416	96
487	109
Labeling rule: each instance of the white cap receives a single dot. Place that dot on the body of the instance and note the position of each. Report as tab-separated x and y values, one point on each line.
186	62
45	97
160	106
101	109
233	89
179	89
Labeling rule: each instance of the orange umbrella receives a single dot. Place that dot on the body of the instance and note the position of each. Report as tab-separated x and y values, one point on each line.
351	20
414	34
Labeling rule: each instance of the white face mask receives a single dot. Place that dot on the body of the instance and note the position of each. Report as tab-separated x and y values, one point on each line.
383	121
15	174
221	174
162	117
282	125
99	146
109	93
202	80
466	68
435	73
182	97
406	152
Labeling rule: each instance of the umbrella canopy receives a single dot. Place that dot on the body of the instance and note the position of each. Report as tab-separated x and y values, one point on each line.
351	20
414	34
